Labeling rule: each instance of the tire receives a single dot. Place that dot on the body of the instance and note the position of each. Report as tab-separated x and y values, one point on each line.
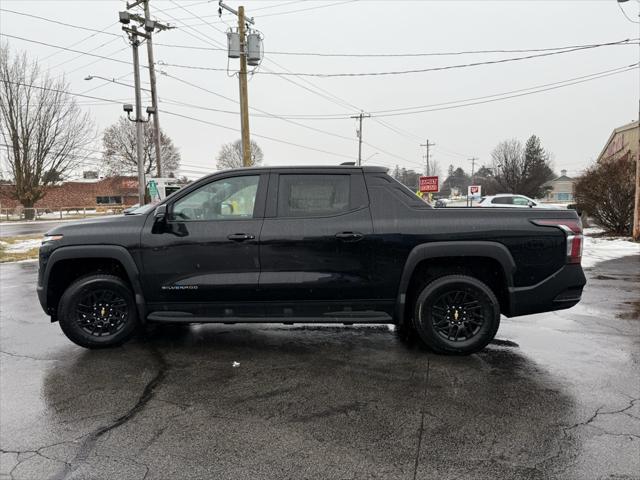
98	311
463	330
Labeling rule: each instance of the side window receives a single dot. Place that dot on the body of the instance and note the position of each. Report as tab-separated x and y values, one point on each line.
226	199
313	195
502	201
520	201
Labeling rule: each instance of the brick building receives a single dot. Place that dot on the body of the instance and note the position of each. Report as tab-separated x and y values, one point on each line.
111	191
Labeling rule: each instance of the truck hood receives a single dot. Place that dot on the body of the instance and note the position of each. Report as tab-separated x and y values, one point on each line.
114	230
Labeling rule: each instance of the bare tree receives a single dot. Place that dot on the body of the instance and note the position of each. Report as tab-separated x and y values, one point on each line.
523	170
508	165
41	125
434	168
230	155
120	154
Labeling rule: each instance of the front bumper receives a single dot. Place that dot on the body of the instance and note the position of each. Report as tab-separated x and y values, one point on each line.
561	290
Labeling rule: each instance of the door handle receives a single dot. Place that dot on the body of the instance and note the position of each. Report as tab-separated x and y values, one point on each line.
240	237
349	236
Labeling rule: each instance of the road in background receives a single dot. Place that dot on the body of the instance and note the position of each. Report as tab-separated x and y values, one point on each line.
34	227
556	396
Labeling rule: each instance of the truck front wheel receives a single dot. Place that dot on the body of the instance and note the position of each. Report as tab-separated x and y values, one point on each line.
457	314
98	311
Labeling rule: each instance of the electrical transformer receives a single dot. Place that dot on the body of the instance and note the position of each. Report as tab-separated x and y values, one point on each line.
254	49
233	44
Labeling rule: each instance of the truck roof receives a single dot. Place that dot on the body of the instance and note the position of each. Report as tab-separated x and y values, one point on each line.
365	168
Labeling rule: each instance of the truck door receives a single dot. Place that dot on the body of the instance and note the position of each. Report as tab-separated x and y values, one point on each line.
204	258
316	250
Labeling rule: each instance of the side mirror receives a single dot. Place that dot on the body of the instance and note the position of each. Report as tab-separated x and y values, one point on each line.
531	204
161	212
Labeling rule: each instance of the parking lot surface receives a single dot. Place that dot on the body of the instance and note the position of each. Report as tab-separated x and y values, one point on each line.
556	396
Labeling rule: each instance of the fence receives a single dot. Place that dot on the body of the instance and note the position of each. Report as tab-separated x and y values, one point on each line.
56	213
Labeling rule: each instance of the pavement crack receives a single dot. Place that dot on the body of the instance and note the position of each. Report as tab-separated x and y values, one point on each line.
422	415
599	412
17	355
90	441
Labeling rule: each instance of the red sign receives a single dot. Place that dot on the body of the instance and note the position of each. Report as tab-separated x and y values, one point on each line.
429	184
474	189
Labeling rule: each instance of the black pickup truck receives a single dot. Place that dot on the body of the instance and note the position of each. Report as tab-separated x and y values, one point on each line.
337	244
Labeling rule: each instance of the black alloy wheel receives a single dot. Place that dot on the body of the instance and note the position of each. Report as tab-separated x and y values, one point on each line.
456	314
98	311
102	312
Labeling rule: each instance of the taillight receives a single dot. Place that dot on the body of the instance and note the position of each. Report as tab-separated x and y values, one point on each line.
573	232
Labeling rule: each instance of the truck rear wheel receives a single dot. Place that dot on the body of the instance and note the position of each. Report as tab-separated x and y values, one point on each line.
98	311
457	314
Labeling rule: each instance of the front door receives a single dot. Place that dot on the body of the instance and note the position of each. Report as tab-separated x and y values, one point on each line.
203	260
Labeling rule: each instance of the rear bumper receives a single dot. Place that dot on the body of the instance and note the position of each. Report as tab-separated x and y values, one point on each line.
561	290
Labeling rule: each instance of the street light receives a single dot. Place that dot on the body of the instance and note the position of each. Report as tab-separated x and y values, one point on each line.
371	156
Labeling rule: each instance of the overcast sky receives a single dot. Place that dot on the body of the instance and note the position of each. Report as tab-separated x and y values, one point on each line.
573	122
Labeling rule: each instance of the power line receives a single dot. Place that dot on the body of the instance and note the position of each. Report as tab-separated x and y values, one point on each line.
387	55
260	136
50	20
625	14
451	107
317	54
309	8
183	8
264	112
409	110
286	142
392	112
82	54
102	57
413	71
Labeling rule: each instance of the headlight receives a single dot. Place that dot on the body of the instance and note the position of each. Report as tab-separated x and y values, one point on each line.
51	238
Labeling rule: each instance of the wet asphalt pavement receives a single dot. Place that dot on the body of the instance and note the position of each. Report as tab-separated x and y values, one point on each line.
557	396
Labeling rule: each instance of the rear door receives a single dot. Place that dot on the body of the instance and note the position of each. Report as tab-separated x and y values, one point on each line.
204	259
316	246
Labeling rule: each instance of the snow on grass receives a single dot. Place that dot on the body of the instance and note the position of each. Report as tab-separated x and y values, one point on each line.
22	245
599	249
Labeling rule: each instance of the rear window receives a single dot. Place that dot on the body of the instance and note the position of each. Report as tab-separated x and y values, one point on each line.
313	195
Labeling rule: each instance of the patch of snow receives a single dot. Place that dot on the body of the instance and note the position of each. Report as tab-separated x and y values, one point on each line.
24	246
600	249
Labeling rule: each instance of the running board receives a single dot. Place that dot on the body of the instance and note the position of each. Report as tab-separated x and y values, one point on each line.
184	317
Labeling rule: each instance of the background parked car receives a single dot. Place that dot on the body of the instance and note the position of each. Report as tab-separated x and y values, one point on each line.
510	200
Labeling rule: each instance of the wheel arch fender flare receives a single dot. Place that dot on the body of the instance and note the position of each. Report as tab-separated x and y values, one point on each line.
485	249
113	252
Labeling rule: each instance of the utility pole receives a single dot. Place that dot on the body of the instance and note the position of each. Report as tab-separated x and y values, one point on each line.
244	94
360	116
134	34
428	145
242	80
152	25
473	167
473	171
